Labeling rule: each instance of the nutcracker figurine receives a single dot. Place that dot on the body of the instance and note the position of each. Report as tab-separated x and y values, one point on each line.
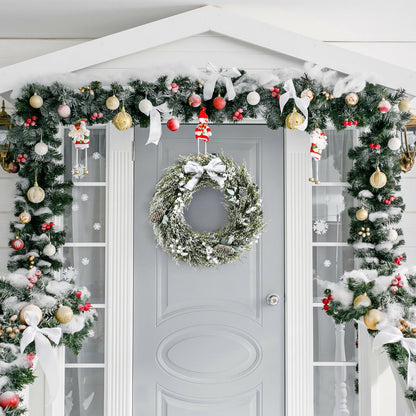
81	138
318	143
202	131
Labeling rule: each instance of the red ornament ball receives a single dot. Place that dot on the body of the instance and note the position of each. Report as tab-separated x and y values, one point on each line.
13	167
17	244
194	100
173	124
219	103
9	398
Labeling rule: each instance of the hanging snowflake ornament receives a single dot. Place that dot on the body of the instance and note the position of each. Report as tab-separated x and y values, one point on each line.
96	156
96	226
327	263
69	274
85	261
320	227
84	197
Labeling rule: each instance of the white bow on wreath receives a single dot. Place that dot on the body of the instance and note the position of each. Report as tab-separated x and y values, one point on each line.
214	169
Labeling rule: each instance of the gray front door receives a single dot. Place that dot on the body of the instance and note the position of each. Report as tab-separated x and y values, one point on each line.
206	343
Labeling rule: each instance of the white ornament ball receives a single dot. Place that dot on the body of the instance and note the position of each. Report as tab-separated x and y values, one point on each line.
36	101
64	111
145	106
36	194
394	143
49	250
253	98
392	235
41	148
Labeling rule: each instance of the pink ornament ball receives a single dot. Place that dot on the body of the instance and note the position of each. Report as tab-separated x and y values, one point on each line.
173	124
64	111
219	103
194	100
9	398
394	289
38	273
384	106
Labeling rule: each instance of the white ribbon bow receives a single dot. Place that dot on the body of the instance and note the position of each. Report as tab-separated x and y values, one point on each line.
301	103
44	350
391	335
213	168
155	131
225	74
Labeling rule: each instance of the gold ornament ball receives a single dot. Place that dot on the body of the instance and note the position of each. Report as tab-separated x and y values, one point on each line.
122	120
378	179
112	103
307	93
29	308
372	318
404	105
35	194
361	214
351	99
24	218
36	101
294	119
362	301
64	314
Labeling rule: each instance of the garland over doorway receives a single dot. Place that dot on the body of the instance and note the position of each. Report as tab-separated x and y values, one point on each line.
229	96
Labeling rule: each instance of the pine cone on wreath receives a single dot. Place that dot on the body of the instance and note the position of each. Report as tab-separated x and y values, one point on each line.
157	216
223	249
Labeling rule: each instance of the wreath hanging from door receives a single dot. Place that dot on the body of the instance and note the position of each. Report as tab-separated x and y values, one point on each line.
174	193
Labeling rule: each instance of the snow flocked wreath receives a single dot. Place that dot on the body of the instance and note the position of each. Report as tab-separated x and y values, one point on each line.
174	193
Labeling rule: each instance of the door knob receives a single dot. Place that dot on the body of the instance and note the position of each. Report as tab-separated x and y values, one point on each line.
272	299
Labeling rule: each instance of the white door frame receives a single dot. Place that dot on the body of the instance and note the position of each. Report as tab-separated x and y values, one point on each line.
298	279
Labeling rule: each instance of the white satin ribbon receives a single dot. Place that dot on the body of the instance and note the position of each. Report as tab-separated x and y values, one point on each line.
155	131
214	169
225	74
391	335
301	103
44	350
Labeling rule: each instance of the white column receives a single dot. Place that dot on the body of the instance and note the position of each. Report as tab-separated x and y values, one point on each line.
119	288
299	289
340	408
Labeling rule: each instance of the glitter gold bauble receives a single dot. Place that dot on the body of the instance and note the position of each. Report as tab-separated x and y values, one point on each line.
294	119
112	103
372	318
351	99
404	105
378	179
24	218
361	214
29	308
64	314
35	194
362	301
36	101
122	120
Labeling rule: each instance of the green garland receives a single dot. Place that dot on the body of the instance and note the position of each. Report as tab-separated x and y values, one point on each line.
243	207
323	111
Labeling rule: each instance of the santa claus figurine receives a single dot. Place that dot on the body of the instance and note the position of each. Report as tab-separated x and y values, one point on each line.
202	131
318	143
80	136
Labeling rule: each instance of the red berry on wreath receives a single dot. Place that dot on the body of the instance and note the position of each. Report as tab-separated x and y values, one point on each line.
219	103
78	293
325	301
34	118
345	123
326	307
81	308
28	120
173	124
394	289
330	297
355	122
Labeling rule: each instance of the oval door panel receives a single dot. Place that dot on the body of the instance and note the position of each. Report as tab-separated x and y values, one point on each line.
207	354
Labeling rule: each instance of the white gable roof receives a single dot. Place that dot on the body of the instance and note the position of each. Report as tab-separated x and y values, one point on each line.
213	19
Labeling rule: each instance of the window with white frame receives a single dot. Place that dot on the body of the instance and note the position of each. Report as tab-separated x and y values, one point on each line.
335	346
85	250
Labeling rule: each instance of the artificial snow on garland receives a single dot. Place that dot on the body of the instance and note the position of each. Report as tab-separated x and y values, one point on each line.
174	193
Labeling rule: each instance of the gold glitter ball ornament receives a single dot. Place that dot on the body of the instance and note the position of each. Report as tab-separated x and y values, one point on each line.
307	93
122	120
351	99
112	103
362	301
35	194
25	218
378	179
372	318
294	119
361	214
36	101
64	314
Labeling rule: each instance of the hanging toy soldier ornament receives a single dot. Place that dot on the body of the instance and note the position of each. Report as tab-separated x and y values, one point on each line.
318	143
202	131
81	138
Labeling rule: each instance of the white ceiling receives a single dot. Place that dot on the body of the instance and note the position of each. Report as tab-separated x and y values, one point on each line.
331	20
